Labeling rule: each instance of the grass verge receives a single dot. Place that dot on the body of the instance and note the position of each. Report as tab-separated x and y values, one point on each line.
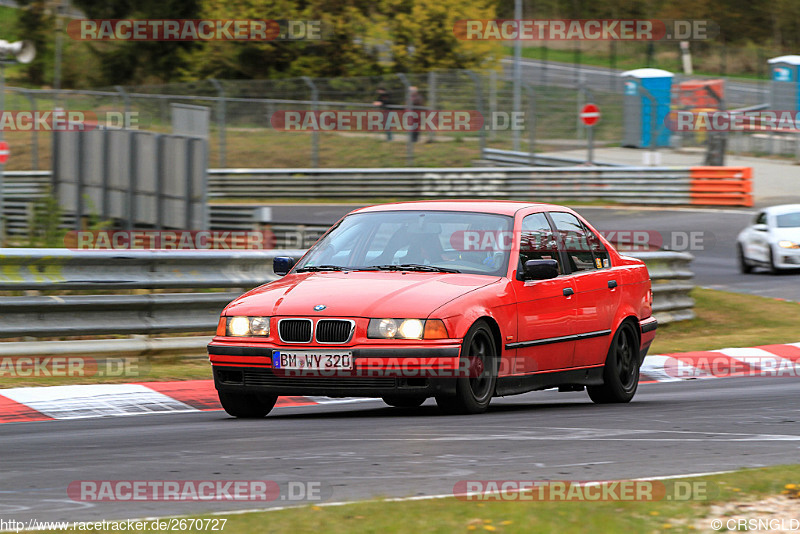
452	515
727	319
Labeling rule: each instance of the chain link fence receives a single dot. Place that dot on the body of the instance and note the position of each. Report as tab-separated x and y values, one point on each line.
241	134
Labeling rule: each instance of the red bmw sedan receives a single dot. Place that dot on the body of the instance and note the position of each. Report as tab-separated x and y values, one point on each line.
457	300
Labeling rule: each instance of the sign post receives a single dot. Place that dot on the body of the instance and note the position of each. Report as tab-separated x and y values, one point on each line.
589	115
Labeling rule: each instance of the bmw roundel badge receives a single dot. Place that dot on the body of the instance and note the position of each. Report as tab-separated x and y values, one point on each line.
319	307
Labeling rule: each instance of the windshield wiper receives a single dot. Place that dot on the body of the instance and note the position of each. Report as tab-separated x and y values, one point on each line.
416	267
316	268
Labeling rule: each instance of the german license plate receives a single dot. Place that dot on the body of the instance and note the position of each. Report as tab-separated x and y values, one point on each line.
306	360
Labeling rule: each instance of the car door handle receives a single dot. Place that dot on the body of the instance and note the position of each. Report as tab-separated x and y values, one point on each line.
568	291
612	284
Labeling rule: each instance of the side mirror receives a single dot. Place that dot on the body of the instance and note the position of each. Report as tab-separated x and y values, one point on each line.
540	269
282	265
760	227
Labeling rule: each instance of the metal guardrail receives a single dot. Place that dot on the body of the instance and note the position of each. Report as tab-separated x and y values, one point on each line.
728	186
511	158
153	313
671	280
61	269
643	185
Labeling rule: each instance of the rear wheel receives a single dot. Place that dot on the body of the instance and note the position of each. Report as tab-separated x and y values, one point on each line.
479	357
621	372
744	267
247	405
404	402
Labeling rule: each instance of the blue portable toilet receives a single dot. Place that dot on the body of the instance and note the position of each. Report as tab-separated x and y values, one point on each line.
638	107
784	92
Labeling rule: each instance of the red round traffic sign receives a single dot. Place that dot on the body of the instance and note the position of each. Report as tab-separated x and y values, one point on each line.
590	114
3	152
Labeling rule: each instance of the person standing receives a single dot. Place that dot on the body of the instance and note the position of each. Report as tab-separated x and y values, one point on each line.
383	101
417	105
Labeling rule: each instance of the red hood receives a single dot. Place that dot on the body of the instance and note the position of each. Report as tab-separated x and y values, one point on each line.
357	294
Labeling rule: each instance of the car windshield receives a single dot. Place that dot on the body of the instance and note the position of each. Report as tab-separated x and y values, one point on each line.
788	220
429	241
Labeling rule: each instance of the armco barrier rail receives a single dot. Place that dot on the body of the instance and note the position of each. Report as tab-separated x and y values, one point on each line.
729	186
717	186
153	313
511	158
671	280
722	186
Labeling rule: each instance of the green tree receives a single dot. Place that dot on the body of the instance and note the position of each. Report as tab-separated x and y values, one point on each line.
337	54
140	61
422	38
36	23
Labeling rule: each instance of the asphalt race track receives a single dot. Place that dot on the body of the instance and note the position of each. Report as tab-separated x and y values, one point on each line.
365	450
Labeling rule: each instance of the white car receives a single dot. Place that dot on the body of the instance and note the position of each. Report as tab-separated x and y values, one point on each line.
772	241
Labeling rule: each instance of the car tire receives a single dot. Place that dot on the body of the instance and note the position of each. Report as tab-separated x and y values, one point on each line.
247	405
479	356
772	268
744	267
621	371
404	402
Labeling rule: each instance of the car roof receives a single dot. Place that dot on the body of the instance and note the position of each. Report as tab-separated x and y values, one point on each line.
782	208
499	207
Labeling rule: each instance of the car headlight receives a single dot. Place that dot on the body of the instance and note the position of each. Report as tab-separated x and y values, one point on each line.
406	329
247	326
788	244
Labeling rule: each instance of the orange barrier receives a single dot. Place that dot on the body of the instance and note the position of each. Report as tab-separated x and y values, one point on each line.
721	186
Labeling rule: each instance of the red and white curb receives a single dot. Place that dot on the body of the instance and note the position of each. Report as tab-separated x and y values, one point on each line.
763	361
114	400
106	400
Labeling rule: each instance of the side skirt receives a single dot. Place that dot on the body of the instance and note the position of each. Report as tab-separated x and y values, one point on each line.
514	385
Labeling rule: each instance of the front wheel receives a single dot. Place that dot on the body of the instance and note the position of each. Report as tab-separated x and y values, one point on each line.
621	372
479	357
247	405
744	267
772	268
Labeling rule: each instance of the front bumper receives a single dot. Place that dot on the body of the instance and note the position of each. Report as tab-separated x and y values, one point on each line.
378	372
787	258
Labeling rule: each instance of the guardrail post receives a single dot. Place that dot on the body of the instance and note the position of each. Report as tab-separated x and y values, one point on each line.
315	134
220	120
530	123
79	182
431	99
126	100
160	180
492	100
106	173
581	100
132	170
409	143
34	133
479	101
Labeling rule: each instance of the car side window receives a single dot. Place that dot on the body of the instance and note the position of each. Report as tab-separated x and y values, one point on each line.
584	249
537	241
761	218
